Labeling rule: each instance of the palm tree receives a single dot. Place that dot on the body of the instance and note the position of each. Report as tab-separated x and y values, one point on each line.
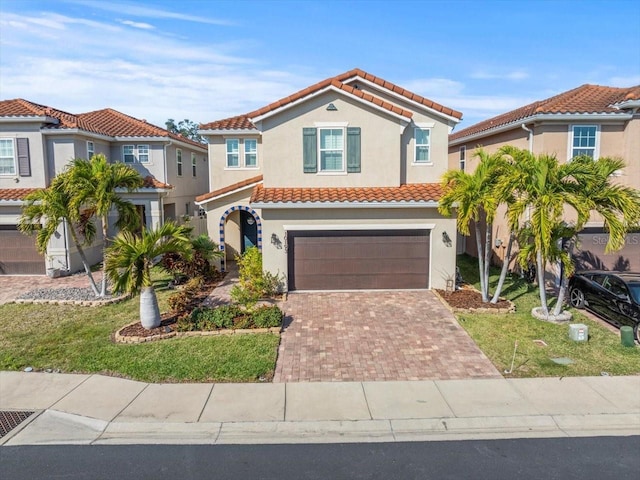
46	209
129	260
546	188
474	195
94	185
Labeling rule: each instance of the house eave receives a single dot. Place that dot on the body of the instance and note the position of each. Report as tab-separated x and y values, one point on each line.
231	131
320	92
29	119
546	117
226	194
75	131
300	205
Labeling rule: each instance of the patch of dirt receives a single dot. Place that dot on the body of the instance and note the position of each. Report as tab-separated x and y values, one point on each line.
467	299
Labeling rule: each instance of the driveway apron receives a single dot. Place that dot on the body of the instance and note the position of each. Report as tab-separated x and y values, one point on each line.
375	336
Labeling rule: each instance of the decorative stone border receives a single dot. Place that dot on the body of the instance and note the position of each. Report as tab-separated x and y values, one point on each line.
510	309
80	303
118	338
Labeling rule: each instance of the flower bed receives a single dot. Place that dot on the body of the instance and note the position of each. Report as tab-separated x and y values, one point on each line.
470	300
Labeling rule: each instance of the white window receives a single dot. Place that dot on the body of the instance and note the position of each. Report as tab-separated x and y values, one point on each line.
7	157
128	153
193	164
233	152
132	153
90	150
250	153
179	161
584	140
143	153
331	149
422	138
463	157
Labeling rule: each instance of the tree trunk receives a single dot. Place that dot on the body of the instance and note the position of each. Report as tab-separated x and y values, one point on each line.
85	262
480	261
561	294
505	267
541	286
149	309
487	259
103	290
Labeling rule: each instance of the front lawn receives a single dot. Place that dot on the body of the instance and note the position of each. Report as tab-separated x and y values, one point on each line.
76	339
496	335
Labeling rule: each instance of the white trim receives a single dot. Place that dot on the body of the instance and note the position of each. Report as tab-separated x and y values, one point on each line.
342	170
320	92
375	86
93	148
222	195
27	119
372	226
560	117
425	125
570	147
230	131
14	148
143	139
179	163
70	131
227	153
416	144
330	124
295	205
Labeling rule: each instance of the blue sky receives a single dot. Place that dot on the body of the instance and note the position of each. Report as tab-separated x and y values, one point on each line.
207	60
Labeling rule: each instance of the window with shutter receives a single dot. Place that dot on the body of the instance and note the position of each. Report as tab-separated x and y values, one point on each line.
7	157
24	159
353	150
310	150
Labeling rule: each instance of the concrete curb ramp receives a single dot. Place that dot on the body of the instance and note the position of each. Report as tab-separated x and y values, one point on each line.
94	409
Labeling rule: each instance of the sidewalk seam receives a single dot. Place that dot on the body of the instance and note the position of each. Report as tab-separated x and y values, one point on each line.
206	402
130	402
69	392
284	416
366	400
435	382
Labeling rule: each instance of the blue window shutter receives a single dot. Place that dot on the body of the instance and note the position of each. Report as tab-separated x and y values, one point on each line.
353	149
24	159
310	150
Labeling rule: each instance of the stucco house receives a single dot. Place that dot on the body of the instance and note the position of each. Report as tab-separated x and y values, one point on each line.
595	120
37	142
337	184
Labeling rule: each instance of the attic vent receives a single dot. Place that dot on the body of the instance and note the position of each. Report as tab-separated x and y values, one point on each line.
331	107
356	86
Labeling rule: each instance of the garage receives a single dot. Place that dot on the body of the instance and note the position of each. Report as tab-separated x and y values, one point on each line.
358	259
18	254
589	252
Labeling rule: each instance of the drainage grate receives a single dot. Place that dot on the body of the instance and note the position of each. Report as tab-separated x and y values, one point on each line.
10	420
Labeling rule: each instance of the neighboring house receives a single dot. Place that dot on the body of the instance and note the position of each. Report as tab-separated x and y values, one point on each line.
338	185
594	120
38	142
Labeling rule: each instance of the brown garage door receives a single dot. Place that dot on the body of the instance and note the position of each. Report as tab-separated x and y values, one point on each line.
18	254
353	260
589	253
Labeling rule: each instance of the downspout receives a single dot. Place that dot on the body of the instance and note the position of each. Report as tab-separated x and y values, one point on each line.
530	136
166	180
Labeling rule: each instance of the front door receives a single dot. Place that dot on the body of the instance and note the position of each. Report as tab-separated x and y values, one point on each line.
248	231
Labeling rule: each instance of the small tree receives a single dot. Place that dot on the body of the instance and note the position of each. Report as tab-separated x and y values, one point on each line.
185	128
130	258
253	283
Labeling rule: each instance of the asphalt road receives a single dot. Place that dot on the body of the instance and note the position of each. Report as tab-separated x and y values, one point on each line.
598	458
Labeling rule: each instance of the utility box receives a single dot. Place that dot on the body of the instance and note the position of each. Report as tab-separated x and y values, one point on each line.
578	332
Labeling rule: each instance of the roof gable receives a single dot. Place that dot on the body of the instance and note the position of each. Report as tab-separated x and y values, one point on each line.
585	99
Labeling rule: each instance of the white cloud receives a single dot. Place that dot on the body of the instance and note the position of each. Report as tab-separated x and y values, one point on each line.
148	12
624	81
514	75
431	87
144	26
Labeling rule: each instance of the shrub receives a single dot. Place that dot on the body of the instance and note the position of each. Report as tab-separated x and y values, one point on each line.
181	301
198	264
219	317
266	317
253	282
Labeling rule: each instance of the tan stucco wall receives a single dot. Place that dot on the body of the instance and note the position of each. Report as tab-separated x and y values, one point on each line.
219	175
380	144
38	176
442	257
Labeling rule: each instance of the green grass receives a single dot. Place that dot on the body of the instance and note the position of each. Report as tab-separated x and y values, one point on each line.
78	340
496	335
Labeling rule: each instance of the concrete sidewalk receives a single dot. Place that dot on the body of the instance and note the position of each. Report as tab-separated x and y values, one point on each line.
95	409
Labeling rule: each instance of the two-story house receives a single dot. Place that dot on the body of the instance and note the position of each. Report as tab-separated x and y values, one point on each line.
338	184
595	120
37	143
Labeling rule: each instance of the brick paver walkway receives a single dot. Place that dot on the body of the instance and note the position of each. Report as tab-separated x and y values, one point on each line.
362	336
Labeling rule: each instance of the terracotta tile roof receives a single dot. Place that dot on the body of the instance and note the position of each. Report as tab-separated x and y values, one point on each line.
15	193
584	99
152	182
244	121
414	192
107	121
241	122
229	188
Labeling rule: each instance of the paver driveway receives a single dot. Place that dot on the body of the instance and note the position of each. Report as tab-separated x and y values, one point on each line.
383	335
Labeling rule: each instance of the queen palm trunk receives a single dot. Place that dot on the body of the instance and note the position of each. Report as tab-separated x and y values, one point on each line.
505	267
149	309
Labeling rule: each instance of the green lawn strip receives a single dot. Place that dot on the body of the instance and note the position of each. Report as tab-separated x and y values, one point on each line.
77	339
496	335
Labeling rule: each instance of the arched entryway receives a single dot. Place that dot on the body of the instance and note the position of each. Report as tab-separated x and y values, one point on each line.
240	228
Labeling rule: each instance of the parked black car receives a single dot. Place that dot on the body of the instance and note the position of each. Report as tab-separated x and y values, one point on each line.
614	296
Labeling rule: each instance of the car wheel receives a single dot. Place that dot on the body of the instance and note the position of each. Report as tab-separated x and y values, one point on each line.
576	298
636	332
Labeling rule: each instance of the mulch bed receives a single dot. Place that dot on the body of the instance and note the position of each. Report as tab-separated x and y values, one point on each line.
168	319
470	299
